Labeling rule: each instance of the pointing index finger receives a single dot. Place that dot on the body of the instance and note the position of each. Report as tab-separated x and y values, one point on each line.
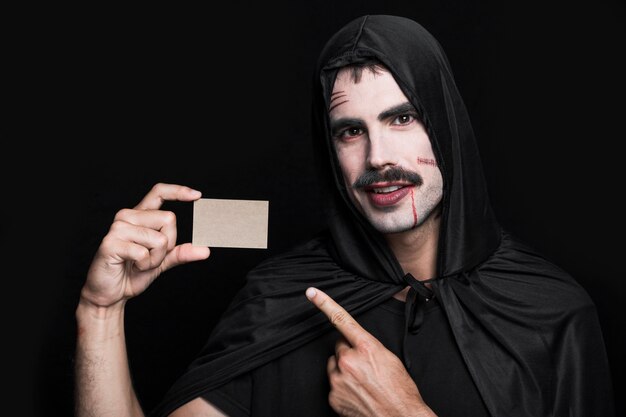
338	316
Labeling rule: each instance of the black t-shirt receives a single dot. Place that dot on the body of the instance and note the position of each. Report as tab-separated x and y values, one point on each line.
296	384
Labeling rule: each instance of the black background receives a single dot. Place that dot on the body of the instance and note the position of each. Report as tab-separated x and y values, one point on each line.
219	101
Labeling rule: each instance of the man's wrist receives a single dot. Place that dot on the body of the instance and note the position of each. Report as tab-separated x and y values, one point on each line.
88	309
99	320
418	409
423	411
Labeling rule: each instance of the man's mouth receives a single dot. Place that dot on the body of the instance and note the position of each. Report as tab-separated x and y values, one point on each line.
387	194
386	189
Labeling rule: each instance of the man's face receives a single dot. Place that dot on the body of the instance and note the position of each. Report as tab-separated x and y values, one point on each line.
386	158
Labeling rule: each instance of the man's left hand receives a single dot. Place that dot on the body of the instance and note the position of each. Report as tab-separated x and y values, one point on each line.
366	379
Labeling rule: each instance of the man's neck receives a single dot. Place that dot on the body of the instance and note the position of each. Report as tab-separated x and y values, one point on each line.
416	249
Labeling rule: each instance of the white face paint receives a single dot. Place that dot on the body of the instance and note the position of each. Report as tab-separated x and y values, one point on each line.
376	129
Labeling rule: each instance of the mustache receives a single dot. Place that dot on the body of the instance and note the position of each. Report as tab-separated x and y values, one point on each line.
371	176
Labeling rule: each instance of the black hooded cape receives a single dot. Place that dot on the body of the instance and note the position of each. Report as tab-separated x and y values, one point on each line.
528	332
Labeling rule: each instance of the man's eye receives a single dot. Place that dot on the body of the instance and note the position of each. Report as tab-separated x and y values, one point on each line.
350	132
404	119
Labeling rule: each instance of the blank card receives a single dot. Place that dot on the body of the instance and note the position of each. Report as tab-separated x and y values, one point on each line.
230	223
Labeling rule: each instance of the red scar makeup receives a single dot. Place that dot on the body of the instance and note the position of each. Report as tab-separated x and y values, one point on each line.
334	96
426	161
414	210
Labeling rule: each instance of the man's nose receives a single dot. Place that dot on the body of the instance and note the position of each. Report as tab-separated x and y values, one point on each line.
381	152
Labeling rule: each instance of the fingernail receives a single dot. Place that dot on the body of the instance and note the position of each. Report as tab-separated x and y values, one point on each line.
310	293
196	193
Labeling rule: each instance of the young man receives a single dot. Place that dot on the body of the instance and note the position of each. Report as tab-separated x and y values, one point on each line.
417	303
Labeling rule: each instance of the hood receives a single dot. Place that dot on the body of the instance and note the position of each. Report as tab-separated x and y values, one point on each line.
469	232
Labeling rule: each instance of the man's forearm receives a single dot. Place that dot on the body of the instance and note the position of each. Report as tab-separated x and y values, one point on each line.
103	383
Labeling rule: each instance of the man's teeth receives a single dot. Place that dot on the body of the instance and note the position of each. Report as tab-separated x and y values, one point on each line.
387	189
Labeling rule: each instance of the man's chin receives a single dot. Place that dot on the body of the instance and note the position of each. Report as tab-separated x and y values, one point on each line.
387	229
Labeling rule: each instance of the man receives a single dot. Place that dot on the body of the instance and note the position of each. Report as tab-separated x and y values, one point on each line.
417	303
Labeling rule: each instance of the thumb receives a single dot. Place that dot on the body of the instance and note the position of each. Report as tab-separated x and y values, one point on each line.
185	253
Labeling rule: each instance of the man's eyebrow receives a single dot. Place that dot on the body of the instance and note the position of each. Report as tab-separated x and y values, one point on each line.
398	110
339	124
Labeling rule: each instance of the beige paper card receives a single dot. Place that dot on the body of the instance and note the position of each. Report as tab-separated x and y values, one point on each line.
230	223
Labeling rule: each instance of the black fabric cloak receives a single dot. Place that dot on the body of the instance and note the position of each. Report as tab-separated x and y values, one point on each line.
528	332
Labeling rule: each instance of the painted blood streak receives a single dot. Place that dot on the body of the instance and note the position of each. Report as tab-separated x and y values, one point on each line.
414	211
426	161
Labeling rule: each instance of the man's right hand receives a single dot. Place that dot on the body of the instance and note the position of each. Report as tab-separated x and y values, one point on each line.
139	246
